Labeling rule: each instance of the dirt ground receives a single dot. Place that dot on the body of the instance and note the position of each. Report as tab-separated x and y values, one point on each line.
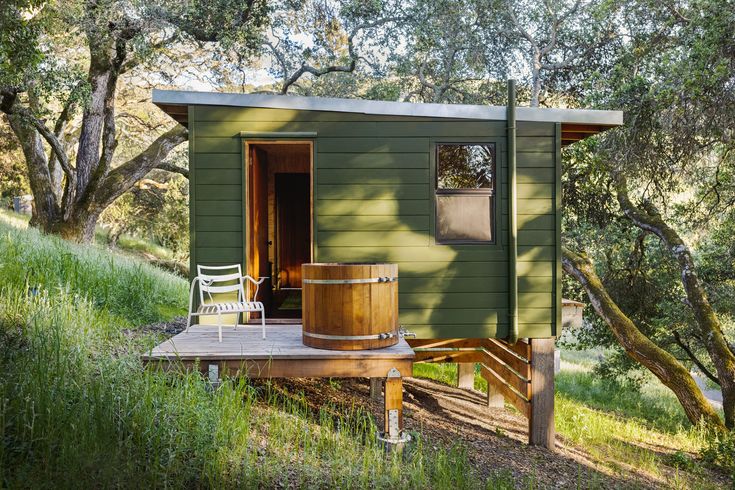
495	440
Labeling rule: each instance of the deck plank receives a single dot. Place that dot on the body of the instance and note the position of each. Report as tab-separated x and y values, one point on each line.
245	343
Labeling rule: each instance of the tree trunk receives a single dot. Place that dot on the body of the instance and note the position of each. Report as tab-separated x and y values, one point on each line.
649	219
79	227
661	363
46	207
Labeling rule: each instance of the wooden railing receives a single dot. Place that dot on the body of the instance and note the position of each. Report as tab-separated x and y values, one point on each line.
522	373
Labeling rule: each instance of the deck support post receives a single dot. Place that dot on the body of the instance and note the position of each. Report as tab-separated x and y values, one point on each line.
494	397
376	388
393	424
541	422
393	437
466	375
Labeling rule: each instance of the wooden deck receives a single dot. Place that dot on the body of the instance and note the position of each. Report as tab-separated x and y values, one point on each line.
282	354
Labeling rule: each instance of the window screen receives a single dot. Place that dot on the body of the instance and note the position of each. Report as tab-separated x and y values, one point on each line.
465	192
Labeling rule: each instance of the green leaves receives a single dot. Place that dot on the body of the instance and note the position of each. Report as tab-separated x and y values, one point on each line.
19	52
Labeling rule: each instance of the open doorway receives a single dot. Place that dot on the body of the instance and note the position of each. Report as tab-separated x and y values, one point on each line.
279	221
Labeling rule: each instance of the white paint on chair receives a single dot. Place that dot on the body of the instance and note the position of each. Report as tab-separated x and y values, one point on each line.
223	283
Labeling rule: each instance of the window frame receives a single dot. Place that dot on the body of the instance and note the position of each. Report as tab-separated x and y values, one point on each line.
493	191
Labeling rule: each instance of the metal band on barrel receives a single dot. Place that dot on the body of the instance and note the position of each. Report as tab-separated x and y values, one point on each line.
350	281
379	336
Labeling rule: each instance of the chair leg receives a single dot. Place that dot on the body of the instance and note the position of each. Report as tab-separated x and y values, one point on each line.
219	326
188	323
262	322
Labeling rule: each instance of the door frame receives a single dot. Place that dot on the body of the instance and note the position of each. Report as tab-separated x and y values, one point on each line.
246	177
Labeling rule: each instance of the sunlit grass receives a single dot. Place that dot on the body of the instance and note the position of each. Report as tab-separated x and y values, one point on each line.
137	245
79	410
621	429
33	262
126	242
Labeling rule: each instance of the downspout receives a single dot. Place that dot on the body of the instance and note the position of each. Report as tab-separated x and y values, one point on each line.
512	214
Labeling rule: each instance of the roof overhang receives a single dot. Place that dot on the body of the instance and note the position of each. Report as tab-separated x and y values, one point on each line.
576	124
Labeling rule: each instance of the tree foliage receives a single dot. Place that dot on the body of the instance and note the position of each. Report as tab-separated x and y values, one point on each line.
75	176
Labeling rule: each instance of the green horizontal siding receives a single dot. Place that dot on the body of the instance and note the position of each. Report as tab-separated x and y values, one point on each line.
218	176
205	161
532	175
230	144
452	300
373	201
382	160
457	331
373	145
452	316
374	223
224	239
219	192
441	253
526	144
534	160
360	129
535	206
373	238
375	207
218	208
219	255
369	176
373	191
219	223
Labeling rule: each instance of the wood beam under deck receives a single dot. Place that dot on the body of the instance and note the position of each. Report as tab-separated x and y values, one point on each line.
282	354
521	373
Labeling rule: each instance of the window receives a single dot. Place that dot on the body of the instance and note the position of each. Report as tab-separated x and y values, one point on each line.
465	192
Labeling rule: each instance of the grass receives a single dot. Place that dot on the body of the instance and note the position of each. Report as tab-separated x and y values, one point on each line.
77	408
618	428
127	243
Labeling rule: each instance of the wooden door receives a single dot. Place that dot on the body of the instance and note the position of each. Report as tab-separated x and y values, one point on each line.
293	227
258	265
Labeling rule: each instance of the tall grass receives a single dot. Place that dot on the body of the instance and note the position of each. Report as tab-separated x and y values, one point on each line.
618	428
31	261
78	409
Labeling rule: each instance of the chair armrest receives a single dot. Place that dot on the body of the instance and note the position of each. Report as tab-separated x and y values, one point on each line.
257	284
191	293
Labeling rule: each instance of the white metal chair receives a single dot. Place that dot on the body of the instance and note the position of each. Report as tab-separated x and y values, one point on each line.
233	282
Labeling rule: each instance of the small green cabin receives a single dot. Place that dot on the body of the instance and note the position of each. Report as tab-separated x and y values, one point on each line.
466	199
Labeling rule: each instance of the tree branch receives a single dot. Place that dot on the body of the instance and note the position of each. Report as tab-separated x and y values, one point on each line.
685	347
639	347
10	105
170	167
122	178
520	29
648	218
346	68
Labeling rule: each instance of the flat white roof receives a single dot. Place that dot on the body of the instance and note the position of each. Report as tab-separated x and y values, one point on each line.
384	108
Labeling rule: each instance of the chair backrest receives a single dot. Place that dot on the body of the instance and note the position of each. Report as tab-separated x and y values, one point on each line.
220	279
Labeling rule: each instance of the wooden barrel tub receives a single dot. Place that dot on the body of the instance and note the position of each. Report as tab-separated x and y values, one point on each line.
350	306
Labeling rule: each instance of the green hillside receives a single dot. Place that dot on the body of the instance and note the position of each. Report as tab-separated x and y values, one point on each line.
77	408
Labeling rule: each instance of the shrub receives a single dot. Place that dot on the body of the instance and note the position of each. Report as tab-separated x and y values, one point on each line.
719	450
